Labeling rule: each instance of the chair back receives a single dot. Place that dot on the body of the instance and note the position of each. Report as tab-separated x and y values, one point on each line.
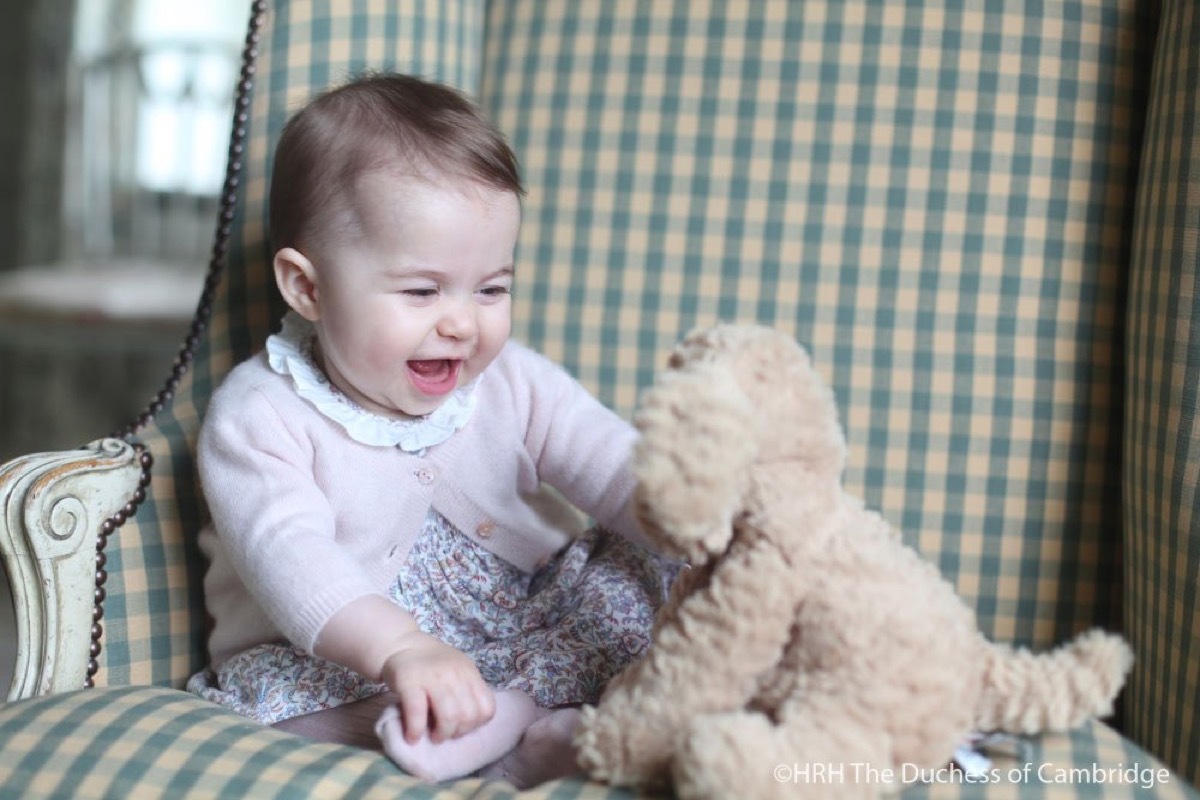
933	199
1161	497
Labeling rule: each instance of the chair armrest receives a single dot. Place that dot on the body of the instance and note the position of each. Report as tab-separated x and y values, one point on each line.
52	509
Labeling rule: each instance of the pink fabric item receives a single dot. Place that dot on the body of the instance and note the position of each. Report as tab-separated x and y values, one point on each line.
454	758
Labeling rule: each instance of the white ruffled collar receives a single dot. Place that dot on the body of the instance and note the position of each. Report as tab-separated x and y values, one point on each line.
290	352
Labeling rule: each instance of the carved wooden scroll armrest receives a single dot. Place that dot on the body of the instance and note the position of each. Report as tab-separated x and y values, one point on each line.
52	509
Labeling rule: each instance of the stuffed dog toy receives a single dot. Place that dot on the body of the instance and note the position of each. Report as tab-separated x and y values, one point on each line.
805	630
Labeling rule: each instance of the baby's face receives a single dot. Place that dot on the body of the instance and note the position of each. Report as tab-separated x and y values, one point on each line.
420	303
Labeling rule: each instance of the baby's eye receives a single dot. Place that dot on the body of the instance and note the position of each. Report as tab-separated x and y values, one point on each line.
494	291
426	292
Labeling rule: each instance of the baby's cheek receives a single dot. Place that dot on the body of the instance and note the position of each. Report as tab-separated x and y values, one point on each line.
383	354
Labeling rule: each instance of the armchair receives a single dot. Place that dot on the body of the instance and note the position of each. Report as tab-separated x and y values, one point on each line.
982	222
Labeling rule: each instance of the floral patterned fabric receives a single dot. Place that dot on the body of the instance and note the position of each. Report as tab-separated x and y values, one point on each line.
558	635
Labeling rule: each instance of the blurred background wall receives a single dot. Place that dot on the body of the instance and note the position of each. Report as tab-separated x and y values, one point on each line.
35	43
114	118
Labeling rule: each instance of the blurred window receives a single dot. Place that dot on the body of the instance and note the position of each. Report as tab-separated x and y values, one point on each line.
152	90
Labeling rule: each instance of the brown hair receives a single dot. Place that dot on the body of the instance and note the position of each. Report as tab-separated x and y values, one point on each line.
376	120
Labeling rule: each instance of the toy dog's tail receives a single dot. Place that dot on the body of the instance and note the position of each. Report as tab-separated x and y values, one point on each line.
1030	693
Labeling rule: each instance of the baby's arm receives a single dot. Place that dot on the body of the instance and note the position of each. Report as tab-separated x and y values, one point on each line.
579	446
441	691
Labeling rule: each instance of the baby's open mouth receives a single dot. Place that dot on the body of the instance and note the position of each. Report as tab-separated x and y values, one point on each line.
435	376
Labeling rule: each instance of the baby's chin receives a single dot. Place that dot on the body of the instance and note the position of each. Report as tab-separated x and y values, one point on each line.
409	406
396	405
409	410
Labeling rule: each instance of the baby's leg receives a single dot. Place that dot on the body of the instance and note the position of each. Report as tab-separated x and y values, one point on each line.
545	752
453	758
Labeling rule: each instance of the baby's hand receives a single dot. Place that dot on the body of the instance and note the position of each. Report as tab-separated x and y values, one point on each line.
441	691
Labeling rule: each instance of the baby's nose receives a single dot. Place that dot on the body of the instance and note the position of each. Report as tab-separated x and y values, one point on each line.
458	320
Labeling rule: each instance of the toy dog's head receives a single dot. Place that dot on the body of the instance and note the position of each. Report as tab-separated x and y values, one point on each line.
734	398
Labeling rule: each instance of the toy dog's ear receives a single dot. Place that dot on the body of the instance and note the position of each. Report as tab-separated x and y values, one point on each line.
700	435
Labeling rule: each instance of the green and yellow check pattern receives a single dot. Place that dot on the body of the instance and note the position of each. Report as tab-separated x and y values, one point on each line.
934	200
146	743
1162	431
941	200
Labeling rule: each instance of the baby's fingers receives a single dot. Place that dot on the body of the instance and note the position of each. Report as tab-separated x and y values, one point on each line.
463	708
414	712
485	702
447	716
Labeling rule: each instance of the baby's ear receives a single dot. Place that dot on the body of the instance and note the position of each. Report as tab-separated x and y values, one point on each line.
803	413
296	278
700	435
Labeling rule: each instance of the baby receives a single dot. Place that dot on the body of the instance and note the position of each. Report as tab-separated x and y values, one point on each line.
382	560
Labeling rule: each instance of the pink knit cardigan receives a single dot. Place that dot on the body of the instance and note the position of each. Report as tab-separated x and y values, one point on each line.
306	520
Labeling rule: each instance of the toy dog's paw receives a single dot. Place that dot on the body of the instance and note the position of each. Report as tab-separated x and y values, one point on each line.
623	749
721	756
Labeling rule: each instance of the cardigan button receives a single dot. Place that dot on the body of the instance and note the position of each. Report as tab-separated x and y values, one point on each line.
424	475
486	528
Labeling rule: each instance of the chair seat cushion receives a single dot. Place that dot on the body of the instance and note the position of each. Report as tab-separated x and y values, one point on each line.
153	742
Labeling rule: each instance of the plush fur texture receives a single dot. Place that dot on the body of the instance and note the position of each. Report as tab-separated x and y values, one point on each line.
806	632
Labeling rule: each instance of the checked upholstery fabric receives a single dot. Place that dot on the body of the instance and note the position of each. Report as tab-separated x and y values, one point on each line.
982	221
